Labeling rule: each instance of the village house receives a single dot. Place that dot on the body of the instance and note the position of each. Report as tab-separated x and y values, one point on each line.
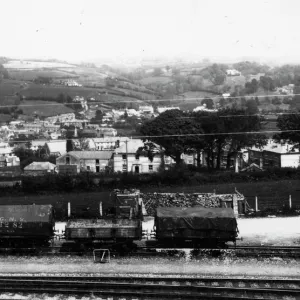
272	155
233	72
78	99
39	168
204	108
256	76
125	159
5	149
61	118
163	109
71	82
56	147
146	109
37	144
33	127
92	161
9	160
107	143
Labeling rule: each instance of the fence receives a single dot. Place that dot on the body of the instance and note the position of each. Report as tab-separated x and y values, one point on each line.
262	203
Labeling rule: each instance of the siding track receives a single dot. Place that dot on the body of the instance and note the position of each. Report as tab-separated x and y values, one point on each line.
133	287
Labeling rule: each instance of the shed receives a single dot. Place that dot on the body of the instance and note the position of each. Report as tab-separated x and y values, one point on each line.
39	168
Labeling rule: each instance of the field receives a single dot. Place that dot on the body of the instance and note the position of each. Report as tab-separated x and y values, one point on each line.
18	64
36	90
43	108
5	118
235	80
33	74
272	107
156	80
10	87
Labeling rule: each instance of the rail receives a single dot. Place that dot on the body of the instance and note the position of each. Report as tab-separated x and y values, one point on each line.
155	287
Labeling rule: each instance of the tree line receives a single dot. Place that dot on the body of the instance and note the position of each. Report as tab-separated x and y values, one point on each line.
221	135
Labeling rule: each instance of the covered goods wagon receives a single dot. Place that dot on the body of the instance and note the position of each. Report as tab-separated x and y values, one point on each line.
26	222
198	224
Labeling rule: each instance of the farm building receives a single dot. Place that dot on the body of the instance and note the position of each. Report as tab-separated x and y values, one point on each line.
93	161
272	155
56	148
39	168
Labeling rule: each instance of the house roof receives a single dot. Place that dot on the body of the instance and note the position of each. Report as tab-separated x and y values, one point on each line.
91	154
131	147
275	147
38	166
57	146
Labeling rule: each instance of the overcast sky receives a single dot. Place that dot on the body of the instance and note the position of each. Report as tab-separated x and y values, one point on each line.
88	29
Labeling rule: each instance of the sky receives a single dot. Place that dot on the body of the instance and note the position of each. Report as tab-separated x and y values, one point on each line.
86	30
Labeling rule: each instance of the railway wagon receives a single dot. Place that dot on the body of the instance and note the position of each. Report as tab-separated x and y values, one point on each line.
89	230
26	224
202	226
121	223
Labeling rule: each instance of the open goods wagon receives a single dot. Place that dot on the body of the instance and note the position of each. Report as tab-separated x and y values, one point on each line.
26	224
103	229
122	223
203	226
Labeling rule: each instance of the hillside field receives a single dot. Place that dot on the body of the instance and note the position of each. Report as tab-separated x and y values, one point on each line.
33	74
36	90
155	80
27	64
43	108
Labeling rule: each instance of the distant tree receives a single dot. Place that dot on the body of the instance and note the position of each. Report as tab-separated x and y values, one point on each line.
170	123
276	101
70	146
216	74
251	87
289	124
251	107
222	102
267	83
208	102
83	145
157	72
3	72
175	72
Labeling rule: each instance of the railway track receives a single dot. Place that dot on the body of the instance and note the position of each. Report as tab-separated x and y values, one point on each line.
239	251
133	287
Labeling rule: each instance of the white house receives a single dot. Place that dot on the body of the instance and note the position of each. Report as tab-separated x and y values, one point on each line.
274	154
233	72
125	159
106	143
203	108
163	109
146	109
92	161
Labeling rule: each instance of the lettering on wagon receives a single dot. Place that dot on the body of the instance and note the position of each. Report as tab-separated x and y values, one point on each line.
11	222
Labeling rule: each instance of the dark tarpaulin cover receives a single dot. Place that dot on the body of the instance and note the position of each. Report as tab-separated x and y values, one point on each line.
196	218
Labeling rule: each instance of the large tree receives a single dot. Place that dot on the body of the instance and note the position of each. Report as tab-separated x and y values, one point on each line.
174	131
289	124
242	131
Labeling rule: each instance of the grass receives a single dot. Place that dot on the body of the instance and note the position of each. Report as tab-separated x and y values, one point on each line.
156	79
43	108
37	90
33	74
17	64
